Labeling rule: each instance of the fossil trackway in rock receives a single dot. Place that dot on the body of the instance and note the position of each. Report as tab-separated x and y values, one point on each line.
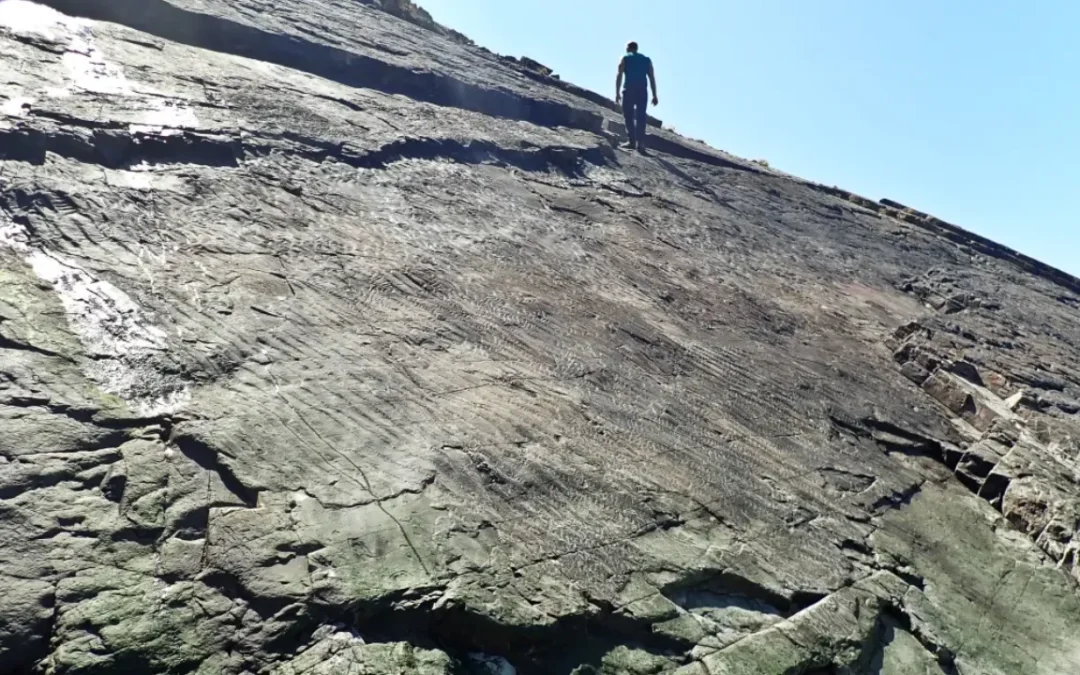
333	343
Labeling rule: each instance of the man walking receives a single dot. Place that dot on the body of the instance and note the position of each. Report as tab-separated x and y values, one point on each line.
638	70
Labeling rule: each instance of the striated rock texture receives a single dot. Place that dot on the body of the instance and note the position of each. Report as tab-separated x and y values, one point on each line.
331	343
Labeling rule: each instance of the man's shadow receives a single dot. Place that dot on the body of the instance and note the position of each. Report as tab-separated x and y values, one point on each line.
697	184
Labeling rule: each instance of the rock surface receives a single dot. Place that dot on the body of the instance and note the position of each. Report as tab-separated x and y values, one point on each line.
331	343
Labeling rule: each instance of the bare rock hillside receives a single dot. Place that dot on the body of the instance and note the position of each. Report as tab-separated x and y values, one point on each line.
331	343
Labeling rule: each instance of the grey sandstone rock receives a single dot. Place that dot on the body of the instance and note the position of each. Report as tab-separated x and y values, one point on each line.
333	343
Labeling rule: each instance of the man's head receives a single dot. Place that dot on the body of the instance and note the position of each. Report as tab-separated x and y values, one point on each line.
631	47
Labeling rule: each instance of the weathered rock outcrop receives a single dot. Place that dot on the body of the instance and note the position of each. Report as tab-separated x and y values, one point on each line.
331	343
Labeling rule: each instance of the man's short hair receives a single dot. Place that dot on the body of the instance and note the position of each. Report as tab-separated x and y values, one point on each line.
631	47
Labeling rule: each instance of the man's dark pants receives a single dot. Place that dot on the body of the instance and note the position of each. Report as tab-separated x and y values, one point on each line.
634	103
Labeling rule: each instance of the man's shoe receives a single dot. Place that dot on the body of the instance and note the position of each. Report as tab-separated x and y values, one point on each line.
630	145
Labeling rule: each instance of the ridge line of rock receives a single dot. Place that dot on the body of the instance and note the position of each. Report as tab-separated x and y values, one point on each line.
168	22
961	236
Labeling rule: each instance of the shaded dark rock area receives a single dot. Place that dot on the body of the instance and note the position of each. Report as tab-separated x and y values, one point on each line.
331	342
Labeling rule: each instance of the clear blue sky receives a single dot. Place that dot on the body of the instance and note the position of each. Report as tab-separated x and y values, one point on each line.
966	109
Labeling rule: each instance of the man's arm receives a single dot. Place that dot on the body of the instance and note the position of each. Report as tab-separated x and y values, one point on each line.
618	80
652	81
